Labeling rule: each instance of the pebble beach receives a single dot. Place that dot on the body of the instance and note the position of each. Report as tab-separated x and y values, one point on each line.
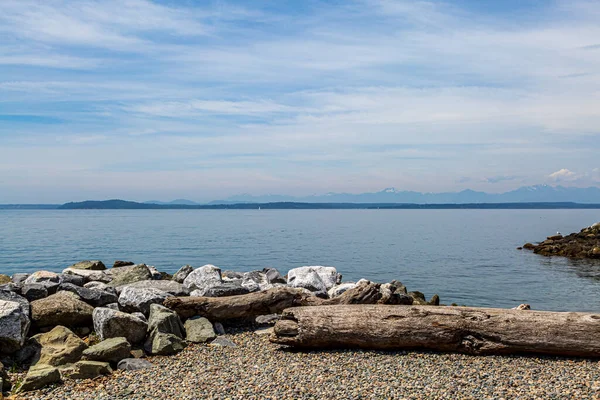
258	369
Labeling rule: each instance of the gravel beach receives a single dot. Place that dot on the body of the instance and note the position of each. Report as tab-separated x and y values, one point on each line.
257	369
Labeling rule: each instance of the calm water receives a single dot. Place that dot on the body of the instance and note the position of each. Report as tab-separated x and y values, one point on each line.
466	256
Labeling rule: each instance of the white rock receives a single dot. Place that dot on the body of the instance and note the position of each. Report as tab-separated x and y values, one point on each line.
136	299
255	281
14	326
337	290
42	276
203	278
183	272
97	285
317	279
109	323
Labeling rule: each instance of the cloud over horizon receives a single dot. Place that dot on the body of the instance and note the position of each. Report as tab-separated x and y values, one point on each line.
172	99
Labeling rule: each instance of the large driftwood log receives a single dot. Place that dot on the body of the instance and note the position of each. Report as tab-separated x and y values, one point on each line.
448	329
276	300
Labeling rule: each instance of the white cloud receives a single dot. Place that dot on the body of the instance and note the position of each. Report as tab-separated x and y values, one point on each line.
563	175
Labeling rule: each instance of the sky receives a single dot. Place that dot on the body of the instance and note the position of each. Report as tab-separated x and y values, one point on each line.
141	100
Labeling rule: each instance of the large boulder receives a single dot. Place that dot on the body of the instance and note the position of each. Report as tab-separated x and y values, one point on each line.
109	350
125	275
74	279
182	273
171	287
164	344
59	346
199	330
203	278
7	295
255	281
94	297
227	288
14	325
94	265
38	376
34	291
87	369
43	276
62	308
134	299
315	279
109	323
89	275
164	320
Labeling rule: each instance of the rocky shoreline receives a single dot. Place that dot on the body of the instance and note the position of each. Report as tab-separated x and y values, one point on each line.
90	321
584	244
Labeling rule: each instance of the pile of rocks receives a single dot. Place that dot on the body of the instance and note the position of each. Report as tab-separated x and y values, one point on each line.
585	244
89	320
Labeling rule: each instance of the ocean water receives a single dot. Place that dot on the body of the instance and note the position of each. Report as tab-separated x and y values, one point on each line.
466	256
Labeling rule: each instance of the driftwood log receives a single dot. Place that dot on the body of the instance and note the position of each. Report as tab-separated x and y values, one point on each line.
276	300
448	329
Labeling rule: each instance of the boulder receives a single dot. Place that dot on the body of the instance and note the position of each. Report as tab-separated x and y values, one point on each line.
172	287
87	369
34	291
134	299
110	350
203	278
73	279
182	273
14	325
59	346
12	287
164	344
12	296
418	298
4	279
89	275
273	276
99	285
38	376
268	319
309	279
120	263
337	290
62	308
134	364
154	273
227	288
43	276
113	306
255	281
231	275
223	342
19	277
94	297
125	275
163	320
199	330
110	323
93	265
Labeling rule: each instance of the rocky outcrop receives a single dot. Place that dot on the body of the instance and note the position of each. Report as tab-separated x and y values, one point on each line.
14	325
62	308
199	330
110	350
134	299
59	346
109	323
89	265
584	244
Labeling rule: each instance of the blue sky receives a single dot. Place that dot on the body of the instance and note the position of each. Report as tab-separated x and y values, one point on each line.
143	100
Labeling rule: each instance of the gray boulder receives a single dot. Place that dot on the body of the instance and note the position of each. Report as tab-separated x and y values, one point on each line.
268	319
163	320
134	299
227	288
164	344
109	323
94	265
94	297
34	291
98	285
14	325
134	364
70	278
338	290
12	296
89	275
12	287
38	376
154	273
309	279
328	275
43	276
223	342
199	330
62	308
87	369
171	287
110	350
59	346
182	273
203	278
19	277
231	275
256	281
273	276
125	275
119	263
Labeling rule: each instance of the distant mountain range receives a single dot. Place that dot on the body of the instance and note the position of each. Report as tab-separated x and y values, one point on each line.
527	194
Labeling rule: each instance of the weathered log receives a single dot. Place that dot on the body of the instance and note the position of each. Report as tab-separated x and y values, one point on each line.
274	301
448	329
